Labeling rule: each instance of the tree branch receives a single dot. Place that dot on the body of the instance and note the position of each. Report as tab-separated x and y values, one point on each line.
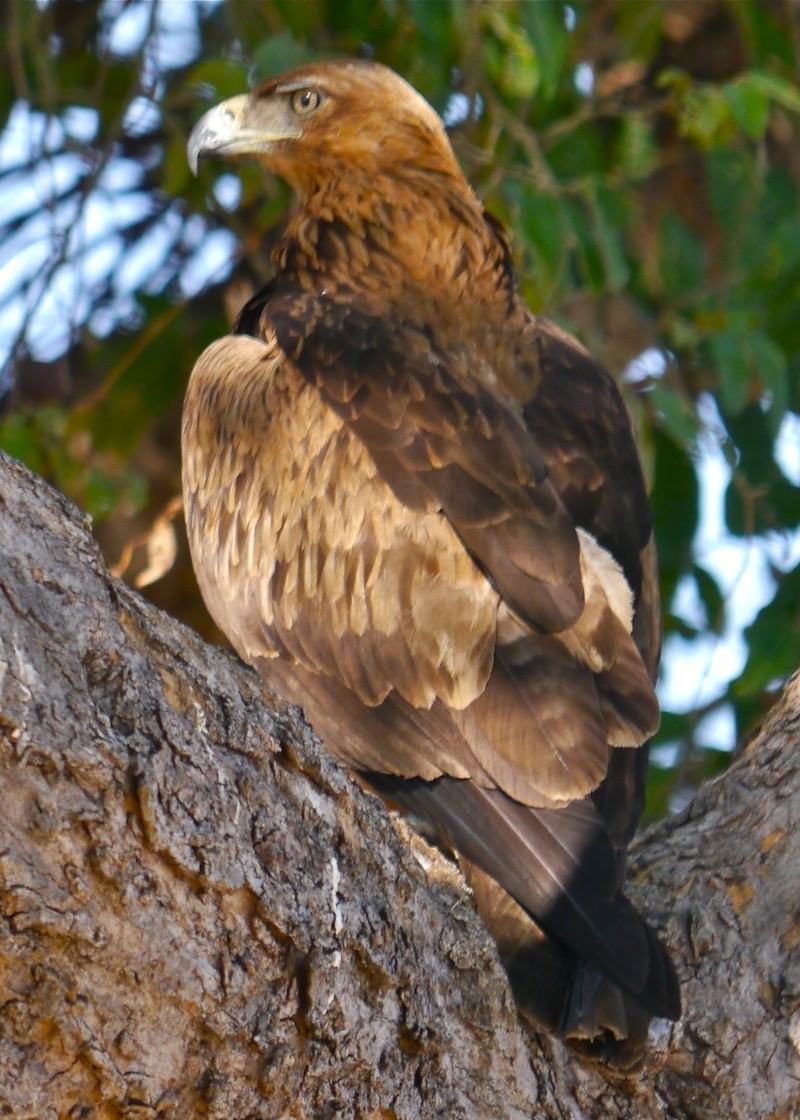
201	915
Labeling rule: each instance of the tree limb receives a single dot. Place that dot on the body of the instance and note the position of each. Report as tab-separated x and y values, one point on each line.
201	915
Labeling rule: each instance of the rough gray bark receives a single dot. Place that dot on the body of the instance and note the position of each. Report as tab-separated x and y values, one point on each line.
201	915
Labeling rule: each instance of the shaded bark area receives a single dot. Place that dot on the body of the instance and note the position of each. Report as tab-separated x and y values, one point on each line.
201	915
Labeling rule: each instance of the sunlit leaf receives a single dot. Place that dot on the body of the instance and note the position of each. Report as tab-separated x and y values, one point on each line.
512	58
749	105
777	88
705	116
638	151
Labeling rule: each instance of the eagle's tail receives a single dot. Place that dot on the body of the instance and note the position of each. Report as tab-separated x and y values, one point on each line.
610	973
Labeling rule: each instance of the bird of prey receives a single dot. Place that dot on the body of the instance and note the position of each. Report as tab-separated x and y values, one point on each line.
418	510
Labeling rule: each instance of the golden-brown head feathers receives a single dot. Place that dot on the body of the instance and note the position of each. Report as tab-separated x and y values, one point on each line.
328	122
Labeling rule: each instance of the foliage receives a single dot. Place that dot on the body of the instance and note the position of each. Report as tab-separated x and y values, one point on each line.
645	155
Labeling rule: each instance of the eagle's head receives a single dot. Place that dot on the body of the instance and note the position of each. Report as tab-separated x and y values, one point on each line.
329	123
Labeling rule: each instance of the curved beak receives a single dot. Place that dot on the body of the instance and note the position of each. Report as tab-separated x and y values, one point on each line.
219	130
224	129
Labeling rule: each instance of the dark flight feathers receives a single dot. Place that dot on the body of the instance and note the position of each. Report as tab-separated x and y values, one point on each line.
559	865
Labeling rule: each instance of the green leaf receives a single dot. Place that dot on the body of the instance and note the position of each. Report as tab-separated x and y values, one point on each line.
711	598
771	367
660	787
589	260
20	439
583	153
279	52
511	57
546	27
433	20
638	153
683	333
705	116
608	223
751	434
734	371
682	265
176	178
776	88
732	179
224	77
759	498
773	638
749	105
674	624
676	506
119	87
100	494
748	364
764	31
673	726
676	414
543	224
303	19
639	25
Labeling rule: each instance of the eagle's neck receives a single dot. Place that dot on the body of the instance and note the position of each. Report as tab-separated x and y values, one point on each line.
410	242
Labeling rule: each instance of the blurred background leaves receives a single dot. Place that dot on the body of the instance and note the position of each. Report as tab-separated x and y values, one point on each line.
646	155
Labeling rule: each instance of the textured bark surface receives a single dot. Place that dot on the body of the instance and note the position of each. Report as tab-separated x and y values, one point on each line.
201	915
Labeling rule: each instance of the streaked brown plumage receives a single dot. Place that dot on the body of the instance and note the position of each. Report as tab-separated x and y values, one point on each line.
419	510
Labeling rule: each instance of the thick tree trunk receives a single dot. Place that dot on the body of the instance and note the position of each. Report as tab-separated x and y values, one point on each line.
200	915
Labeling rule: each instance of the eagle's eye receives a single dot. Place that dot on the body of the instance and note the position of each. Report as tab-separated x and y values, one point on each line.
305	101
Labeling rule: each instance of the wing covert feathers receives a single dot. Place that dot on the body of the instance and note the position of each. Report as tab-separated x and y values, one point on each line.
304	551
437	433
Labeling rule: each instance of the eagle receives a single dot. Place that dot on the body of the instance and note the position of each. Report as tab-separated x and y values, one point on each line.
418	510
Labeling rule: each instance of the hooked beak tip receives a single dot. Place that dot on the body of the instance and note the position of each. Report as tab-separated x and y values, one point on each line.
216	129
202	138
